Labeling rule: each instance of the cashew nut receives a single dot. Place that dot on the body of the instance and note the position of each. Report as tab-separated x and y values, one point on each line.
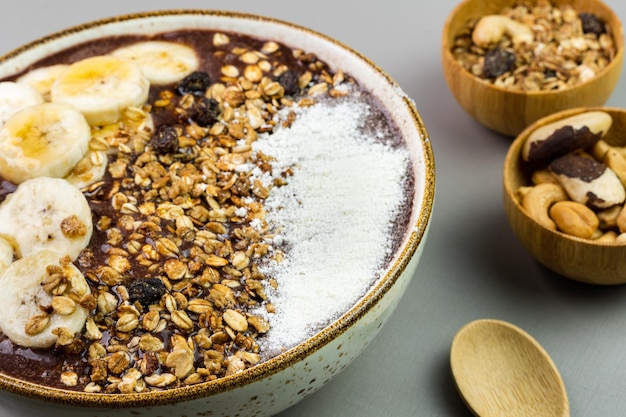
607	237
543	176
621	238
614	160
608	217
621	220
574	218
537	202
490	29
521	192
599	149
598	233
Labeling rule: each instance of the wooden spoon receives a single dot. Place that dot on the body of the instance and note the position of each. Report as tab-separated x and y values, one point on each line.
500	370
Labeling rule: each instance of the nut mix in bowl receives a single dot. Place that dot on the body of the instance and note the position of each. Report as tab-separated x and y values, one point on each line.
564	193
199	209
522	60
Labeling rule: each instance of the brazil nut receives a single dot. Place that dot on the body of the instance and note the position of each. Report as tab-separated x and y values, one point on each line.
565	136
588	181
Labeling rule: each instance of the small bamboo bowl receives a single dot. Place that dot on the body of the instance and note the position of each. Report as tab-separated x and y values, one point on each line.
579	259
506	111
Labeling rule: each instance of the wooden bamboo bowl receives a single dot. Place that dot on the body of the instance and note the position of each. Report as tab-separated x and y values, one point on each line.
579	259
507	111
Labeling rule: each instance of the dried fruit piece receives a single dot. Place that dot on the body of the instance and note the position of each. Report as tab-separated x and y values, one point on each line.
497	62
165	140
289	80
592	24
195	83
146	291
205	112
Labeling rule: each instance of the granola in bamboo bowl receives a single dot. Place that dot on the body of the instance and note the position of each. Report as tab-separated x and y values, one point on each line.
510	62
197	241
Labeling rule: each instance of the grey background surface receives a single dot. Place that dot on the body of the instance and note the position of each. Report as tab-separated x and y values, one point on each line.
473	266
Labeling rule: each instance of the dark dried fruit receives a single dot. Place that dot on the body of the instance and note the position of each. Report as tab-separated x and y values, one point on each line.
289	80
592	24
146	291
195	83
550	73
165	140
497	62
205	111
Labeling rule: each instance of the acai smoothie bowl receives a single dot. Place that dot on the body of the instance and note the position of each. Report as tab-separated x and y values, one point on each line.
201	213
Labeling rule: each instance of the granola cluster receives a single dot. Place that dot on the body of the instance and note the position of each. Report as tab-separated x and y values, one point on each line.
180	228
565	48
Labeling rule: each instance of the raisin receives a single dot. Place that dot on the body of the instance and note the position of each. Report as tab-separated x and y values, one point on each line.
591	24
195	83
146	291
549	73
205	111
165	140
497	62
289	80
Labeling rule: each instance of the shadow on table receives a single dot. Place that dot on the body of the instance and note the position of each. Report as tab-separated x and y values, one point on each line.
449	397
518	273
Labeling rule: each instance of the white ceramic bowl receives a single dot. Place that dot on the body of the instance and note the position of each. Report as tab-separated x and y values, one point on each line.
274	385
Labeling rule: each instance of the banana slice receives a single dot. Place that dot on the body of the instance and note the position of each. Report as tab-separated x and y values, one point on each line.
162	62
89	170
46	139
7	253
101	87
47	213
40	298
14	97
43	78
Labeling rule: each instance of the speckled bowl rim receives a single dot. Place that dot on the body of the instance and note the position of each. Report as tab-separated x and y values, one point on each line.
416	234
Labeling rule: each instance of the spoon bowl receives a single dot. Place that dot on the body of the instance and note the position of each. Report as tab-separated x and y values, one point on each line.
500	370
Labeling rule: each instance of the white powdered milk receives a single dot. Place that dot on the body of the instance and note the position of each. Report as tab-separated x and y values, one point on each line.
333	219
